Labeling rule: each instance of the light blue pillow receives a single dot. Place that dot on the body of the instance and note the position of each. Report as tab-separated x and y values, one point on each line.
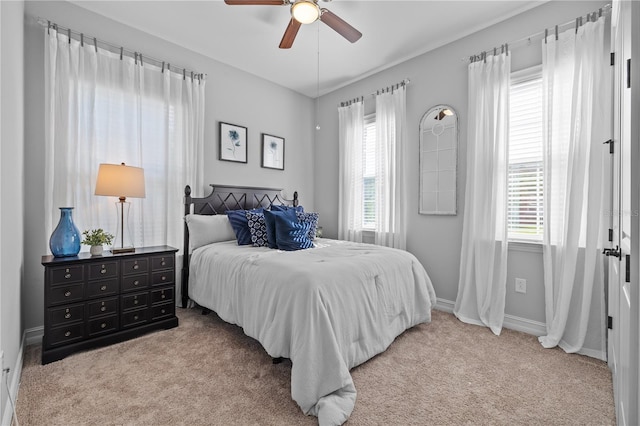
310	218
257	228
270	222
238	220
291	234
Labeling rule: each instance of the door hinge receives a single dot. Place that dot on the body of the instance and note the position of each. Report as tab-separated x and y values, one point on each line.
610	234
610	142
627	269
612	252
610	322
629	73
613	58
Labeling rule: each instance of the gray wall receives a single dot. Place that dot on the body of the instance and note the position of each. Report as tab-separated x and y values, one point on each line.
232	96
11	184
440	77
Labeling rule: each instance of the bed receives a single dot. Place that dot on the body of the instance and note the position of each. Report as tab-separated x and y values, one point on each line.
328	308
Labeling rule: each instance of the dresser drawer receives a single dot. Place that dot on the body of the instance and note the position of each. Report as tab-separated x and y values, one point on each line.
162	295
65	294
135	282
103	325
102	288
162	262
162	277
135	266
162	311
135	301
66	315
65	334
103	307
136	317
64	275
99	271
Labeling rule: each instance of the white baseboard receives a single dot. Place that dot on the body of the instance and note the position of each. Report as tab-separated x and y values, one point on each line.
33	336
14	386
511	322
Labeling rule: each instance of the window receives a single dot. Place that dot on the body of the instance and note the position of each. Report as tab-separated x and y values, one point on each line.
369	173
525	211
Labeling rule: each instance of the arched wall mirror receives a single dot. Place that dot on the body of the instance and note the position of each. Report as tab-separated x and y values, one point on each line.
438	161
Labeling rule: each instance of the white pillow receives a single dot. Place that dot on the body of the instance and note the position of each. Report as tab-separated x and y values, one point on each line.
205	229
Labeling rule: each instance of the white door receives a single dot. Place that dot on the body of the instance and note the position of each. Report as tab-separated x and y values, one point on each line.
623	276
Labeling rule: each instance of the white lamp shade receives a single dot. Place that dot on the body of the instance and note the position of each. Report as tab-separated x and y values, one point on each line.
119	180
305	11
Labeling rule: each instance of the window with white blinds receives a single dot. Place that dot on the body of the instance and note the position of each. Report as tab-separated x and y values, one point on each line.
525	211
369	173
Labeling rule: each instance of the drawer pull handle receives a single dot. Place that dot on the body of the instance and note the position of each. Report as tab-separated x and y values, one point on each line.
103	271
103	308
67	334
136	282
67	276
103	325
67	315
103	288
163	263
135	266
163	296
163	311
164	278
67	293
135	302
135	317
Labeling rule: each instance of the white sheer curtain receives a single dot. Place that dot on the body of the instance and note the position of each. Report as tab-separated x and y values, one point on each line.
391	130
103	109
483	263
577	88
351	122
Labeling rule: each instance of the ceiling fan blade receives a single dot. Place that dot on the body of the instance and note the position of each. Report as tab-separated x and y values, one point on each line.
290	34
340	26
255	2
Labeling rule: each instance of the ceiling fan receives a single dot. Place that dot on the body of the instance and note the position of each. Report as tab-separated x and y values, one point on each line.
305	12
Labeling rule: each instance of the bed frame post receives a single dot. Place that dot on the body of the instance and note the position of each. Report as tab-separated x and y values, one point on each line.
185	249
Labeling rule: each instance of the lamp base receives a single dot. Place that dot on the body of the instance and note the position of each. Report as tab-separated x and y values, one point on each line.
123	250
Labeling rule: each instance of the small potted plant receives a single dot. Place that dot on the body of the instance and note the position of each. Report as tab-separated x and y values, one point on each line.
96	238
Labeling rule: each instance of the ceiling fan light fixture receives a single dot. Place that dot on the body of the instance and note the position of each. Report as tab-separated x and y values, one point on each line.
305	11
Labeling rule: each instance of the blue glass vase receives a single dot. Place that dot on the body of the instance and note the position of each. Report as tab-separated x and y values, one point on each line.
65	239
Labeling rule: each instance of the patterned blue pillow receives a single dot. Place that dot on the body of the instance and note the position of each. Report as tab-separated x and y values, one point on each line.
291	234
257	228
270	221
312	220
238	220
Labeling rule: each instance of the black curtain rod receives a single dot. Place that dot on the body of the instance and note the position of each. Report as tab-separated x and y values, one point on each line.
137	56
579	21
377	92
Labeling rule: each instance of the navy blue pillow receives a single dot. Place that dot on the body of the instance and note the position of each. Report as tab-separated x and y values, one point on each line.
312	219
291	234
239	223
282	208
270	222
257	228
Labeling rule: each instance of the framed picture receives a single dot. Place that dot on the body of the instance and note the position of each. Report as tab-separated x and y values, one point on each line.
233	143
272	152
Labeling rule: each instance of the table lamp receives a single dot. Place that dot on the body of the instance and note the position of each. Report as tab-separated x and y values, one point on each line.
122	181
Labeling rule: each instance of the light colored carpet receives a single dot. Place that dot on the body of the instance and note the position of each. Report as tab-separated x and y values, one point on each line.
207	372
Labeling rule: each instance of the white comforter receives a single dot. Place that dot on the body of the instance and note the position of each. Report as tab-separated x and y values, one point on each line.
328	309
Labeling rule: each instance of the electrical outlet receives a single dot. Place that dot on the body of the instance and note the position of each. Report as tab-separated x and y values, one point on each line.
521	285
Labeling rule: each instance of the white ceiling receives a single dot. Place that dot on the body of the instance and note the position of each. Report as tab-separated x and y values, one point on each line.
247	37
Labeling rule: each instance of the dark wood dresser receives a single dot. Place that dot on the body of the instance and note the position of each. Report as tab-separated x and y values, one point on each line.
93	301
